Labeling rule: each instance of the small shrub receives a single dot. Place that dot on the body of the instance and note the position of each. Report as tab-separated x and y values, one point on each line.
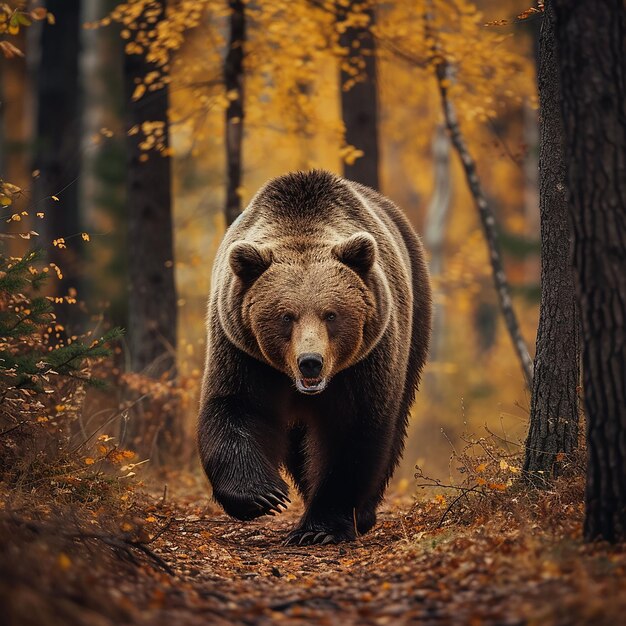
44	375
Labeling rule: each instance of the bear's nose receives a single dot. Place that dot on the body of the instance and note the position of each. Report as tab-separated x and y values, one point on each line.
310	364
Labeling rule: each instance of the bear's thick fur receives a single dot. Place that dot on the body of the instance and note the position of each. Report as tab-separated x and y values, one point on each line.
318	328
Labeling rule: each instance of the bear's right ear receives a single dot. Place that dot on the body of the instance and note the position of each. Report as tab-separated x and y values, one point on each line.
248	261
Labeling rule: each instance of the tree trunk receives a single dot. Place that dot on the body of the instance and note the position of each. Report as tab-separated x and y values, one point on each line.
103	169
16	165
554	404
57	145
590	44
435	229
359	97
233	81
152	297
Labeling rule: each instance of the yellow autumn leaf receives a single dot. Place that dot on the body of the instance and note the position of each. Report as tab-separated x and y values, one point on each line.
89	461
352	156
140	89
497	486
38	13
10	188
9	50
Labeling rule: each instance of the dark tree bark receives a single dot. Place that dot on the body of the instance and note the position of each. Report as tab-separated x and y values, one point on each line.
57	145
152	297
590	43
16	163
554	404
103	165
359	96
233	81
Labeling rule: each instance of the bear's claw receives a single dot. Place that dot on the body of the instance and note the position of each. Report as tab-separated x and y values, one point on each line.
271	503
248	506
304	537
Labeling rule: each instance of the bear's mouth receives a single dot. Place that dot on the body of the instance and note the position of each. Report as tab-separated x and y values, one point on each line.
311	386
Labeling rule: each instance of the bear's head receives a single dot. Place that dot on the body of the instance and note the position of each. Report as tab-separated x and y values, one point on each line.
311	311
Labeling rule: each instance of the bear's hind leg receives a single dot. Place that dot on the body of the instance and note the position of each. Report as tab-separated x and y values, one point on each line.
366	517
345	478
295	460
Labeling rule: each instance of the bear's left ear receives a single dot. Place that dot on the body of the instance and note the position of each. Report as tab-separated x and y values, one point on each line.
357	251
248	261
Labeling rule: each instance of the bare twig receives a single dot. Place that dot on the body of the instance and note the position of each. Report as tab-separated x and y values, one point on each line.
504	440
123	544
450	506
8	430
108	421
162	530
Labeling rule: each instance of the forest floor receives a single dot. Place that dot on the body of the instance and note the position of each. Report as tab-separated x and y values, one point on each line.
181	561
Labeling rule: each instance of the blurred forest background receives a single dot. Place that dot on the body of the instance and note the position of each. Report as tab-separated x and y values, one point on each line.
134	135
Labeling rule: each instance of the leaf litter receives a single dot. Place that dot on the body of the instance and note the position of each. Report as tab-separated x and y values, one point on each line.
185	562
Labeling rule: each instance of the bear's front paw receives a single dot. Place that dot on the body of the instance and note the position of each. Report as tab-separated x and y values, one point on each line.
246	503
321	533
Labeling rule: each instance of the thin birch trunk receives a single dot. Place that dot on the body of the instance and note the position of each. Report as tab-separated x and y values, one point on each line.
488	222
435	227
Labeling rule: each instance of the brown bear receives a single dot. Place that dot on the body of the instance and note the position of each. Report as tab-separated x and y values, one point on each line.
318	328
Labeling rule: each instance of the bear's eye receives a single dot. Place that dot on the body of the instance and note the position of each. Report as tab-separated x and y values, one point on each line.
287	318
329	317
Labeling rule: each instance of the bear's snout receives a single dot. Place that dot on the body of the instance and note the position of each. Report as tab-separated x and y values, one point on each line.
310	364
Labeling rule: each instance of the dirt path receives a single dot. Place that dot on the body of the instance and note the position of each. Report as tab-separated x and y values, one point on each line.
187	564
229	572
